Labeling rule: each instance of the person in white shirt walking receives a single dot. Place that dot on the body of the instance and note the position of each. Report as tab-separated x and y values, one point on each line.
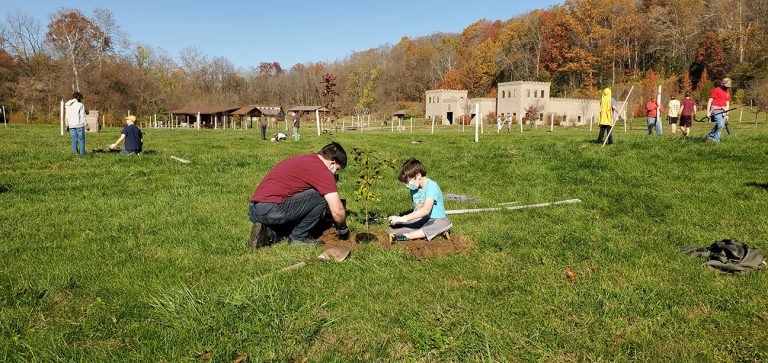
673	115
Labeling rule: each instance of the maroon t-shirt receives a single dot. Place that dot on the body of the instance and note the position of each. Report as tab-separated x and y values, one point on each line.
688	104
295	175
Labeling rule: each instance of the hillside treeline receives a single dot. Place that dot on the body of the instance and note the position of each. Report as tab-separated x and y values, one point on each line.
579	46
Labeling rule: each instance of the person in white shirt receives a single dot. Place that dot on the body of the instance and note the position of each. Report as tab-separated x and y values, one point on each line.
76	124
673	113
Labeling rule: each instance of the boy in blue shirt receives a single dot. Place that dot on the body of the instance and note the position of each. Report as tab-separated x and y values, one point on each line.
428	219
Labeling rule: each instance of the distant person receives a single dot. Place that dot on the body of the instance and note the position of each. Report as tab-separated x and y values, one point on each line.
134	138
499	122
509	123
76	124
263	127
717	108
608	114
295	195
296	124
654	110
428	219
279	136
687	112
673	113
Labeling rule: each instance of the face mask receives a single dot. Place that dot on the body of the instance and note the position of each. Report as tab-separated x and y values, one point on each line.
412	186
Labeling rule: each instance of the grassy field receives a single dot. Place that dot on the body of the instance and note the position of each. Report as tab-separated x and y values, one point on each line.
141	258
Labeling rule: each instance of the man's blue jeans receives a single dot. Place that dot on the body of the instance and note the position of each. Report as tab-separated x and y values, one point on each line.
297	214
651	122
78	136
714	135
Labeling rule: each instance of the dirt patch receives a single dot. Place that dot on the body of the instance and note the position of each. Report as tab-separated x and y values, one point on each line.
419	249
422	249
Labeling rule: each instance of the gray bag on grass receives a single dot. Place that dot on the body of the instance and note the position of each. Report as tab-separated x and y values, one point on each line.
729	255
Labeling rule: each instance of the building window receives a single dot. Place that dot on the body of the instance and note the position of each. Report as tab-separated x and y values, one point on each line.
535	93
542	93
541	117
528	93
515	93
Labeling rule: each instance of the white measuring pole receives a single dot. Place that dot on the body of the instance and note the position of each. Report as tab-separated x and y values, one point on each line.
411	124
462	211
317	121
477	123
5	120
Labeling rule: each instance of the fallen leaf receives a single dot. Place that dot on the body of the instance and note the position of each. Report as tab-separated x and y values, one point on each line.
594	269
206	356
240	358
22	291
570	274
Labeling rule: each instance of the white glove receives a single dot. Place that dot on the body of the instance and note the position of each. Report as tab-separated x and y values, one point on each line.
397	220
112	146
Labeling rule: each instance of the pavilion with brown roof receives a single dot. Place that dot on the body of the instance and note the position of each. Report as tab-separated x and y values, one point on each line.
205	116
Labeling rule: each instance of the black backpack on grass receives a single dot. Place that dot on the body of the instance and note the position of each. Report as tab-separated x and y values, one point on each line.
730	255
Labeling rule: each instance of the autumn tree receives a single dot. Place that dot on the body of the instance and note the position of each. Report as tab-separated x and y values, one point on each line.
710	55
78	38
330	94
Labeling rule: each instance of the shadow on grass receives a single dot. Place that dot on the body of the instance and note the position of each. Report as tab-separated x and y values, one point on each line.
763	186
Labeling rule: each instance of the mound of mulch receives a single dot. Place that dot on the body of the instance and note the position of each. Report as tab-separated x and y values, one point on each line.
419	249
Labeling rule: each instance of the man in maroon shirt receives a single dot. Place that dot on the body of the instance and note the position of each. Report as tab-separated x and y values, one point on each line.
295	195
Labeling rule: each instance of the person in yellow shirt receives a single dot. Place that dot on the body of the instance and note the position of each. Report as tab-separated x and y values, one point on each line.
608	113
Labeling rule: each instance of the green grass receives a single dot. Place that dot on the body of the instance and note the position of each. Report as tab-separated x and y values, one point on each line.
141	258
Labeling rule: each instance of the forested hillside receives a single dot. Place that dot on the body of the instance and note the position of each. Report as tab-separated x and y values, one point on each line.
580	46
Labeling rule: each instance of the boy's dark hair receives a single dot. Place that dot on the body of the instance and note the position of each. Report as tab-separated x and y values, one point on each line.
334	152
78	96
687	94
410	168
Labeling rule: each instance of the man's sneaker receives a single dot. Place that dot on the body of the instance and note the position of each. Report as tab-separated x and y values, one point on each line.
399	238
260	236
309	242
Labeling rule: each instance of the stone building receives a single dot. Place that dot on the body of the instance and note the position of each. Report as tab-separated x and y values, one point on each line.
445	106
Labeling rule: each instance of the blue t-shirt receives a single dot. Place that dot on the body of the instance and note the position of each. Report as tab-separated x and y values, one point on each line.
431	190
132	138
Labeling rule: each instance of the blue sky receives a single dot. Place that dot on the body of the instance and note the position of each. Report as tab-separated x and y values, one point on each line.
289	32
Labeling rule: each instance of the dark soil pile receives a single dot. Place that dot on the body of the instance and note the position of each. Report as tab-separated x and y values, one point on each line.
419	249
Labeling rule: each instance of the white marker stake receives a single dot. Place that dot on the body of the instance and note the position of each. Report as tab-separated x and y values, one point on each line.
61	117
658	113
317	121
433	125
411	124
551	122
199	121
477	123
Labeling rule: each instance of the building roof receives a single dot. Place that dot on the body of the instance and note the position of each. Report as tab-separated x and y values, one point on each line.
204	110
308	109
399	112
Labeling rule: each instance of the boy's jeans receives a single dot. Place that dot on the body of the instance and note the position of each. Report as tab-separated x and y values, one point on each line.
78	135
303	210
263	130
296	135
714	135
651	122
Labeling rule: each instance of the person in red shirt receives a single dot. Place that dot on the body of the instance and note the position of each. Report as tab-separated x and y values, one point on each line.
686	114
654	112
717	108
295	195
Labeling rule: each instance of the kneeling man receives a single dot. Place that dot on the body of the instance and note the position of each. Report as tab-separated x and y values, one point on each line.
294	196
